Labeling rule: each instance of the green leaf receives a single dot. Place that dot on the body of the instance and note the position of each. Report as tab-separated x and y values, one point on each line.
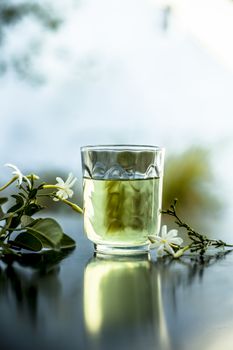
35	221
22	195
1	213
44	261
33	193
26	220
19	204
3	200
15	196
67	242
32	208
48	231
27	241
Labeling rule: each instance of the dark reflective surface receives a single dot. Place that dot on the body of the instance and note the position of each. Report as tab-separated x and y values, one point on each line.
77	300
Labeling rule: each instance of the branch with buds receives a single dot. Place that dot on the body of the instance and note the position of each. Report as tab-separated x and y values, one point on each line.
199	243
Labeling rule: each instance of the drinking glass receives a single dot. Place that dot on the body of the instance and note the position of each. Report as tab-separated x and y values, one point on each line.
122	189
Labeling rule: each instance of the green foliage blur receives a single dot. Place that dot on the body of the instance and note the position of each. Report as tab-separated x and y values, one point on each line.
11	13
189	177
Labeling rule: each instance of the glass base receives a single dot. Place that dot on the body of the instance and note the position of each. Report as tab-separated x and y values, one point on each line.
118	250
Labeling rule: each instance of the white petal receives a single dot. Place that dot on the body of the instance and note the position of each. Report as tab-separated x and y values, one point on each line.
155	239
176	240
172	233
69	192
59	193
60	181
155	245
20	177
12	166
16	172
62	194
28	181
69	179
160	250
169	249
73	182
164	231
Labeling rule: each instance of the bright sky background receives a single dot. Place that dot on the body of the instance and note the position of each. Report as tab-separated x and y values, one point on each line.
114	76
209	21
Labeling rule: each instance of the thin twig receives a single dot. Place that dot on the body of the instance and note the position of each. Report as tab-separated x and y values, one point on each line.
199	242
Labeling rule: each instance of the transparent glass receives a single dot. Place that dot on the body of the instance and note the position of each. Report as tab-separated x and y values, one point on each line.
122	188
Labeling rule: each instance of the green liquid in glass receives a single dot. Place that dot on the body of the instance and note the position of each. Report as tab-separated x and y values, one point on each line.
120	212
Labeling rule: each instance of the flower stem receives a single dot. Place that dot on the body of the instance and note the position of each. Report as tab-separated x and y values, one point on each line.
7	226
74	206
181	251
52	186
8	183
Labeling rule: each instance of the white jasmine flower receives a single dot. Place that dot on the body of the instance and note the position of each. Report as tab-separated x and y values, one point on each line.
164	243
17	173
65	191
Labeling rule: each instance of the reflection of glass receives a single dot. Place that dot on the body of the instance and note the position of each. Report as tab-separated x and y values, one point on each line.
123	304
122	196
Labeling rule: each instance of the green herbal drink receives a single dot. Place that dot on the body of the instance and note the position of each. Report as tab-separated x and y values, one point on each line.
120	212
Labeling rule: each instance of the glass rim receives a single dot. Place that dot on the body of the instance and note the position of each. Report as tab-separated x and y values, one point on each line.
122	147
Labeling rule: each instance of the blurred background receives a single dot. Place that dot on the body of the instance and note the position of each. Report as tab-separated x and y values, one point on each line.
159	72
